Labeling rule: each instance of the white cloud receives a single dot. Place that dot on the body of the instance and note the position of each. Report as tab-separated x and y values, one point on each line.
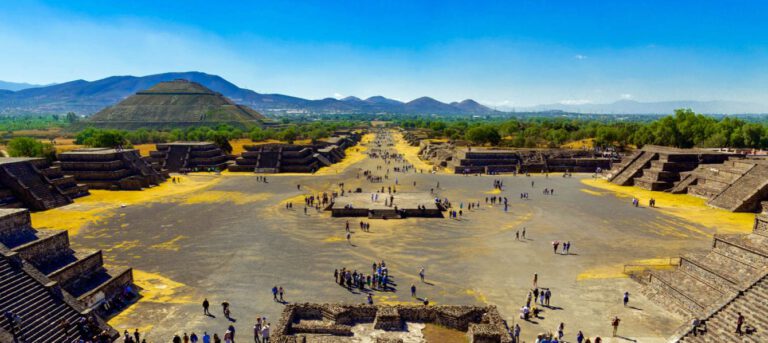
575	101
626	96
337	95
580	57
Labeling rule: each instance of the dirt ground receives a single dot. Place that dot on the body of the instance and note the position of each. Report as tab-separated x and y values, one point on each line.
230	238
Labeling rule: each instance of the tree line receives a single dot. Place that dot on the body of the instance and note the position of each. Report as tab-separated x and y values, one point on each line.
683	129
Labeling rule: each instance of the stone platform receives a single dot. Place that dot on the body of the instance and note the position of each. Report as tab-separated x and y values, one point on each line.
404	205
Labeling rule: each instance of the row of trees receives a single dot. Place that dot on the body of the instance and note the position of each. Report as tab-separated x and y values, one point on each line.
684	129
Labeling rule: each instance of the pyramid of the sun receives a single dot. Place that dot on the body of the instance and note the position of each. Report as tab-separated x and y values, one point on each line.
178	103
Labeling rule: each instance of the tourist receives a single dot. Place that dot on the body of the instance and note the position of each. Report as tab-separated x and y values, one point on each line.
274	293
739	323
136	335
231	330
206	337
413	291
206	304
695	326
370	299
516	333
216	338
523	235
265	333
426	302
615	323
560	331
282	292
421	274
192	338
176	339
185	338
535	275
257	330
626	298
580	337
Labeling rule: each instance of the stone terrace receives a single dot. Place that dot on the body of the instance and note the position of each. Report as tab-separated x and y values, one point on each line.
112	169
44	280
303	322
290	158
738	184
730	277
404	205
32	183
188	156
658	168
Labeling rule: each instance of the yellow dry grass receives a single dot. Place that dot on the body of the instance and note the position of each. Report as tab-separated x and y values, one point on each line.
101	204
440	334
587	143
689	208
616	270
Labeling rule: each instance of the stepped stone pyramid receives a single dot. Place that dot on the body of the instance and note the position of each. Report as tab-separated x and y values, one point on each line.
114	169
290	158
731	277
33	183
175	104
44	281
188	156
738	184
658	168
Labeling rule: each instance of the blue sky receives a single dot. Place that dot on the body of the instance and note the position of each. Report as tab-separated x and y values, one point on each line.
502	53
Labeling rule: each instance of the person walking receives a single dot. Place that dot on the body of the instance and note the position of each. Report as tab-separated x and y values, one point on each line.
615	323
281	291
206	305
274	293
626	298
265	333
413	291
739	323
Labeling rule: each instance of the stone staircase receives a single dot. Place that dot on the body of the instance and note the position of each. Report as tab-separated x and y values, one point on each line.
624	173
29	184
40	307
81	274
175	159
702	281
745	193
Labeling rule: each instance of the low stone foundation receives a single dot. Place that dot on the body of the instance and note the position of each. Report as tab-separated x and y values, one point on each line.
482	324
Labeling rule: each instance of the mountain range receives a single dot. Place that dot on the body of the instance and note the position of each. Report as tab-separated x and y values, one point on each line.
88	97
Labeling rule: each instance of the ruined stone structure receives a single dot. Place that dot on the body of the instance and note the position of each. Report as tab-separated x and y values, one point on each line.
33	183
44	281
485	160
658	168
404	205
188	156
103	168
738	184
334	322
290	158
414	137
714	285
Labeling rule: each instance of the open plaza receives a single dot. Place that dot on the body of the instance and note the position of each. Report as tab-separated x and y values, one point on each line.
232	237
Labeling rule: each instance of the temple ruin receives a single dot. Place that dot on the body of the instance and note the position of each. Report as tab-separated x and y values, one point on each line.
32	183
291	158
713	286
658	168
472	160
113	169
188	156
45	281
337	322
390	206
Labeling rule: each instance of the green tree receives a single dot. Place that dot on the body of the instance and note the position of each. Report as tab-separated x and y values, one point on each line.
30	147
